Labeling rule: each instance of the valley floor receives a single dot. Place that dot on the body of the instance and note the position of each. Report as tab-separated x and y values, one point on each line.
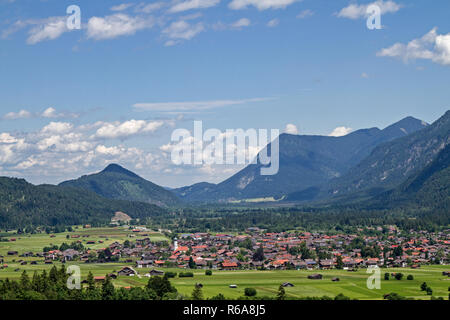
351	284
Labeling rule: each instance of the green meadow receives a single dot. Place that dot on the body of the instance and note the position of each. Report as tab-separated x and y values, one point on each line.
351	284
36	242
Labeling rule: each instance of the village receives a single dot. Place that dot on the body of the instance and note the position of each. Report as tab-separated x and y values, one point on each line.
256	249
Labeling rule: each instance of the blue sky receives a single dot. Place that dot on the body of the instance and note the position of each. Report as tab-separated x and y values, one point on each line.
72	101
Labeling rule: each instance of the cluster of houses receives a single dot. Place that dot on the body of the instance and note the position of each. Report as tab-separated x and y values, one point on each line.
230	251
225	251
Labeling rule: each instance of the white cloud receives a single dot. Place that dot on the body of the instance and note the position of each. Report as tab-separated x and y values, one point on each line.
47	113
305	14
273	23
6	138
57	127
291	129
364	75
340	131
51	113
122	7
244	22
432	46
148	8
182	30
193	4
111	151
116	25
261	4
126	129
49	29
193	105
358	11
61	149
22	114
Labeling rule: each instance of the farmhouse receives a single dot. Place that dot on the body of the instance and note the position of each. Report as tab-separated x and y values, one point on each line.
127	271
228	265
156	273
144	263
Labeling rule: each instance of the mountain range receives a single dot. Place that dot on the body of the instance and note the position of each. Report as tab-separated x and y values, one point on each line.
405	165
306	162
391	163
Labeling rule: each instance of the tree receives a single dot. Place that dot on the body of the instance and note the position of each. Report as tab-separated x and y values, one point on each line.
399	276
259	254
161	286
25	281
108	289
208	273
250	292
218	297
339	262
281	295
410	277
192	264
386	276
429	291
423	286
197	293
340	296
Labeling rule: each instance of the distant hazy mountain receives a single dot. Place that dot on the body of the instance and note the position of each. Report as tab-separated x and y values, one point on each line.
23	204
305	162
393	162
116	182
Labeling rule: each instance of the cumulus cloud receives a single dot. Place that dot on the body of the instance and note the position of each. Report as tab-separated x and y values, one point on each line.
261	4
291	129
193	105
57	127
61	149
340	131
22	114
358	11
193	4
47	113
432	46
109	27
120	130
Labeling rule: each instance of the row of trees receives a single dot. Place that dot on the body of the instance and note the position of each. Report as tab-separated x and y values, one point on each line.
53	286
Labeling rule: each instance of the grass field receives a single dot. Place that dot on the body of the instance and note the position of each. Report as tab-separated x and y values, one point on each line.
351	284
36	242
